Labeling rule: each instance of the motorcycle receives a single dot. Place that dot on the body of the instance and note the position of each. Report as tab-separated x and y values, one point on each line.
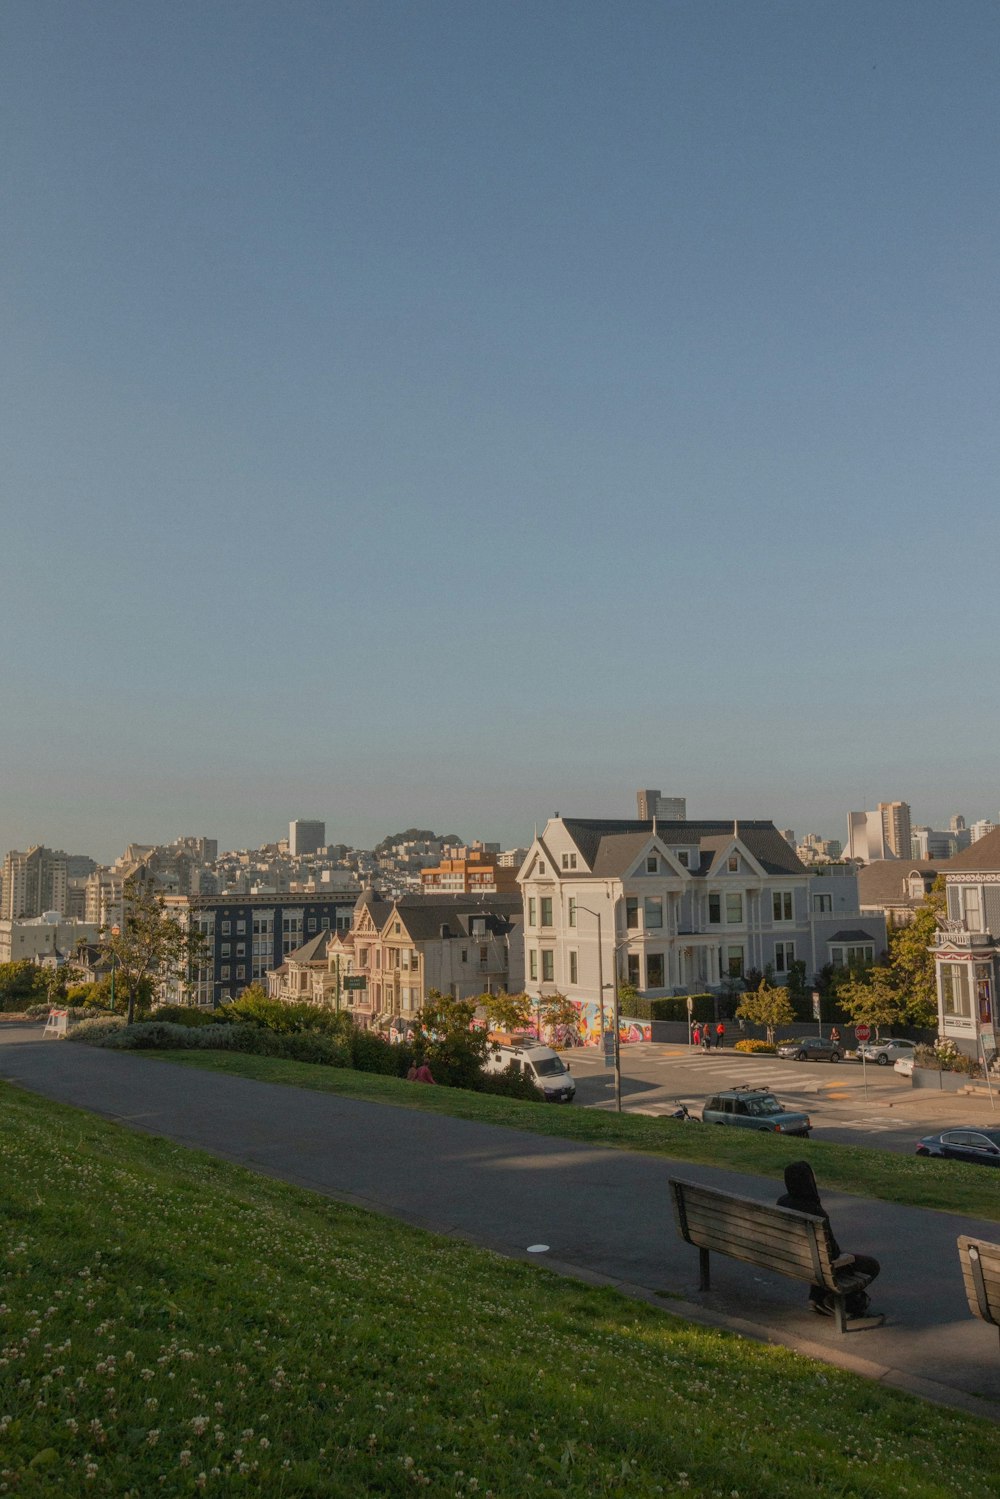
683	1113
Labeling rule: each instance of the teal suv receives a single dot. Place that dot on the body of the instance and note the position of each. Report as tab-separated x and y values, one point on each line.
755	1108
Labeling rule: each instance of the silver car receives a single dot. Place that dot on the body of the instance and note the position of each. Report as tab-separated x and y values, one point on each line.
811	1049
884	1052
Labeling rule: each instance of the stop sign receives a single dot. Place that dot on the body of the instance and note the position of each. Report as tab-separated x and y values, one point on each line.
862	1032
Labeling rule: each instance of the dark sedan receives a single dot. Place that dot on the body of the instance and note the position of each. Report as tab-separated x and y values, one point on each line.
811	1049
979	1145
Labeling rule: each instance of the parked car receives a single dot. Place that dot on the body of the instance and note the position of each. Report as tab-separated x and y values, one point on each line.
811	1049
972	1144
545	1068
904	1065
755	1108
884	1052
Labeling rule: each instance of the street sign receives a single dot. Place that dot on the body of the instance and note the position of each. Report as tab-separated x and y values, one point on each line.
815	994
862	1032
609	1048
356	981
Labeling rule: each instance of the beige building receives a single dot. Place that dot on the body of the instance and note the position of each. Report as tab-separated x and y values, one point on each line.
33	883
460	945
51	936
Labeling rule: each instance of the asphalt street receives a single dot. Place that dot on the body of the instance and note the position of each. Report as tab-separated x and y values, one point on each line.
603	1214
847	1103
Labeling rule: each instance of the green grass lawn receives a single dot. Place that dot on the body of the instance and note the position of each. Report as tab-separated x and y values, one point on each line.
171	1324
951	1186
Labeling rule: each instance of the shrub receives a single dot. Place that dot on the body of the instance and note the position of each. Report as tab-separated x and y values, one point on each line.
36	1011
275	1015
95	1031
754	1046
151	1035
314	1047
675	1008
371	1052
509	1084
187	1015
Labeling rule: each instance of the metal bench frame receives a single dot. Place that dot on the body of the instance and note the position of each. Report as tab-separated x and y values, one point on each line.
796	1245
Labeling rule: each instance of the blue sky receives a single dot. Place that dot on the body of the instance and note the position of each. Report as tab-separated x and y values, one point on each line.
448	413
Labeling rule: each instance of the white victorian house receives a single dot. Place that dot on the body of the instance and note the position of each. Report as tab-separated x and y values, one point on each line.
679	907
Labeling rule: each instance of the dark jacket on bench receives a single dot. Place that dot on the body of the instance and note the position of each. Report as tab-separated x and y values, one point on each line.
802	1196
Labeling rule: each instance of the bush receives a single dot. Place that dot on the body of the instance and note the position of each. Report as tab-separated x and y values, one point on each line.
151	1035
675	1008
95	1031
371	1052
187	1015
314	1047
510	1084
37	1011
275	1015
754	1046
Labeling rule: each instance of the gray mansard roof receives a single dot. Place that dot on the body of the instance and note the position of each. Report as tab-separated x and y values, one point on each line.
609	846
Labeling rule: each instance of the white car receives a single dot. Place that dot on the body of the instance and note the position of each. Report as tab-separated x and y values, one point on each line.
904	1065
884	1052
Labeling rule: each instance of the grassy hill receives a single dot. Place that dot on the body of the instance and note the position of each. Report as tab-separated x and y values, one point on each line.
171	1324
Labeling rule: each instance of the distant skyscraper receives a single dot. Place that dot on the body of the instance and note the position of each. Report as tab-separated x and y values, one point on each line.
652	804
896	829
33	883
305	837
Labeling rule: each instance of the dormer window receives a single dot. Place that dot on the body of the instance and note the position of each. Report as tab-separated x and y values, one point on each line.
569	861
733	863
541	866
682	857
652	864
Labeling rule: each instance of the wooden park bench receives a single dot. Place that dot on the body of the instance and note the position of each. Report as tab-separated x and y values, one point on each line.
981	1272
773	1238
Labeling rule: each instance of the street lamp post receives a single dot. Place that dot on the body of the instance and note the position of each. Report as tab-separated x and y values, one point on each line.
600	962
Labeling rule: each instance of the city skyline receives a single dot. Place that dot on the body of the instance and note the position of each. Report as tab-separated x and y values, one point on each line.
451	415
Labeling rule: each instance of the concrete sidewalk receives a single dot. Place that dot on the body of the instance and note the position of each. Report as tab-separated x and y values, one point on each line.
604	1214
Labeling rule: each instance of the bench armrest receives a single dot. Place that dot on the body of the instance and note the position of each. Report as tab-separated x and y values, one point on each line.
844	1262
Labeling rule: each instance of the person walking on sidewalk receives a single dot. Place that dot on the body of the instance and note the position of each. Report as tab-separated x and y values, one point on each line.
720	1035
696	1034
706	1037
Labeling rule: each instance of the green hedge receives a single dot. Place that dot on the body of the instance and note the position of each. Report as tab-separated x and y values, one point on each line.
674	1008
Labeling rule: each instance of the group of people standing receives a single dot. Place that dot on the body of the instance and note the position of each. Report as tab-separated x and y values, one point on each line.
703	1033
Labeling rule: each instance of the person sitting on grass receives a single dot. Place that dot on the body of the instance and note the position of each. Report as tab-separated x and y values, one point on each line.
802	1195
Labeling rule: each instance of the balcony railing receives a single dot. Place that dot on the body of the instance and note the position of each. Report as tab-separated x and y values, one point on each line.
959	937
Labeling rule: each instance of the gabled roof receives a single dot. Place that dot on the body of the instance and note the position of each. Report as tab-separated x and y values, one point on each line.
886	882
983	855
853	934
609	846
424	917
313	951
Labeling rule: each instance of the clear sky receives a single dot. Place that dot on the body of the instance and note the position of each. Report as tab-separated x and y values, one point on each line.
436	413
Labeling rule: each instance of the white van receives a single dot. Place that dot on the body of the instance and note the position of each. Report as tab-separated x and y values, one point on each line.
541	1064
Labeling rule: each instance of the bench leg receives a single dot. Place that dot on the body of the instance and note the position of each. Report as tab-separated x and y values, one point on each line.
840	1312
703	1284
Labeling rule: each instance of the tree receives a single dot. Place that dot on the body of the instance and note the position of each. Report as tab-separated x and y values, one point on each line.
150	948
874	998
21	983
454	1048
507	1012
912	961
767	1005
559	1014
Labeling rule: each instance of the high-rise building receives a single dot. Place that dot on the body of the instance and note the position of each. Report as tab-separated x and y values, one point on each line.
654	804
305	837
882	834
33	883
896	831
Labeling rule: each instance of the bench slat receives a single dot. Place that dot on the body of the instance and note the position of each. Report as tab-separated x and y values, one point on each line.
982	1279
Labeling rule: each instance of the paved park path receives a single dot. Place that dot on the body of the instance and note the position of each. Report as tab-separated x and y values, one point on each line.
604	1214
